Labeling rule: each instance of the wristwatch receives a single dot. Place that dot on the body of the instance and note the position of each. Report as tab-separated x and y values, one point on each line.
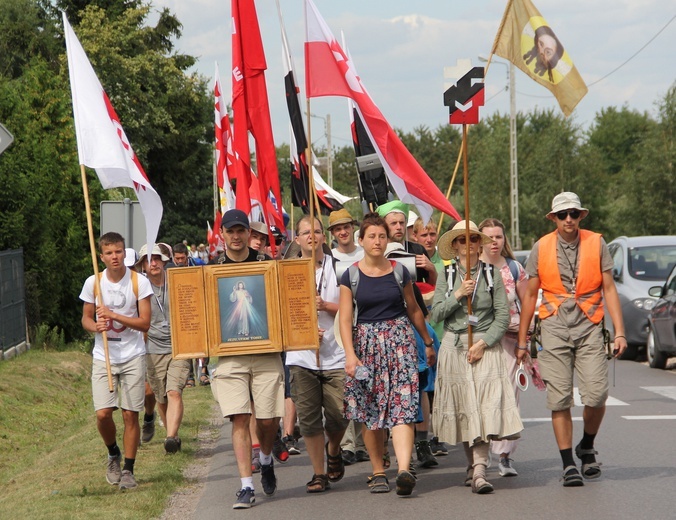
430	344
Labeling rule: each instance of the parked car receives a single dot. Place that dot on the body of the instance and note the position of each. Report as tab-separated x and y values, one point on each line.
662	324
522	256
639	263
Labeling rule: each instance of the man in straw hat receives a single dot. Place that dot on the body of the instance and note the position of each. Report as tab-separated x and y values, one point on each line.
341	226
573	268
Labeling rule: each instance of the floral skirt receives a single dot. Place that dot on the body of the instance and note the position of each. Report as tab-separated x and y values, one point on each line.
389	395
473	403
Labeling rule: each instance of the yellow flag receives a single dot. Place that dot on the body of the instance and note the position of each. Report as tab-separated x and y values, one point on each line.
525	39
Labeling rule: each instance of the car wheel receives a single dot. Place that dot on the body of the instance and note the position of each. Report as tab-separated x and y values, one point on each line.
631	353
656	358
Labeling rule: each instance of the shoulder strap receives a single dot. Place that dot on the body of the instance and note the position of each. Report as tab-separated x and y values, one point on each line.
354	284
513	268
398	270
450	272
134	284
488	272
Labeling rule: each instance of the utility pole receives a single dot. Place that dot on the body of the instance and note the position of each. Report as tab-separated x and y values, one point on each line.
329	151
513	164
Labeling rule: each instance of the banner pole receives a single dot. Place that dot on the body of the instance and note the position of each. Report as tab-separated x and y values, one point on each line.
450	185
311	202
95	264
465	168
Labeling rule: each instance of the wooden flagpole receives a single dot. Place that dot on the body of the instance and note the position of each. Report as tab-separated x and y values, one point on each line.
450	186
95	263
465	169
311	202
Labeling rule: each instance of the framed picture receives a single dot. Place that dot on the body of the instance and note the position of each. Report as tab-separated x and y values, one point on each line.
243	315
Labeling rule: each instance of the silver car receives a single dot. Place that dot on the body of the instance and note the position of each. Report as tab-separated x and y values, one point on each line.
640	263
662	327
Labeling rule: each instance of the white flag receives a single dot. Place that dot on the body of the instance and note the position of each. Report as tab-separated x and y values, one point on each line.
101	141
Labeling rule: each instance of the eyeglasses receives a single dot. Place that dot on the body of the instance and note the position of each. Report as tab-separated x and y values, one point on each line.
574	214
475	239
318	232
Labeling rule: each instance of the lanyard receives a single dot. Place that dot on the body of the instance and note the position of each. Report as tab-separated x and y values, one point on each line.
163	292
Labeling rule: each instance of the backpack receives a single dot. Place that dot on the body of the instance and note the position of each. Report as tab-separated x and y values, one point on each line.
486	269
398	270
514	270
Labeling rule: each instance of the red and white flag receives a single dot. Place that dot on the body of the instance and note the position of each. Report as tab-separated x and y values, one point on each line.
224	154
101	141
329	72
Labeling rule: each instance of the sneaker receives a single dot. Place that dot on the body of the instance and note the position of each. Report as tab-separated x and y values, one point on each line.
172	444
361	455
256	460
279	451
127	481
349	457
113	471
425	457
291	445
438	448
148	430
268	479
505	467
245	499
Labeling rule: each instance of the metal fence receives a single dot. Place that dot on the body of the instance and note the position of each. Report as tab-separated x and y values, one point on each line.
12	301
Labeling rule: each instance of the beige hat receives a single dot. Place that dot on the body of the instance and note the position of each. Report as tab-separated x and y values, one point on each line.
143	253
445	244
342	216
259	227
567	200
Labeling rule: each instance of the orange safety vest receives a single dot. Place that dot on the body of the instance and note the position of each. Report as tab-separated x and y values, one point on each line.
587	292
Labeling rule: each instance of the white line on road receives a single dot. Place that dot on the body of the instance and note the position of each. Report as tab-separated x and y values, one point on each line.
649	417
546	419
664	391
610	402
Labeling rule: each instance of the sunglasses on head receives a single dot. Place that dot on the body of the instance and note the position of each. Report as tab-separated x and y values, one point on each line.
472	238
574	214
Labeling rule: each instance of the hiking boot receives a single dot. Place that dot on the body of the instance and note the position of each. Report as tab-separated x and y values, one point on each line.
148	430
113	471
505	467
172	444
127	481
425	457
349	457
268	479
279	451
256	460
291	445
438	448
245	499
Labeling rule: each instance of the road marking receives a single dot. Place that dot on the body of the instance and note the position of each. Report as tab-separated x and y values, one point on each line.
664	391
610	402
649	417
545	419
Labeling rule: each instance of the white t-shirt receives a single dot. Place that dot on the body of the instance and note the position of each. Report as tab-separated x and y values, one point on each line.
123	343
331	356
354	256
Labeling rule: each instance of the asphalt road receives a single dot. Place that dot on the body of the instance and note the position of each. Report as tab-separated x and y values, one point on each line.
636	446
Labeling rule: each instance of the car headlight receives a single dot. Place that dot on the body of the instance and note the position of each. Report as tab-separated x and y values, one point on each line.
644	303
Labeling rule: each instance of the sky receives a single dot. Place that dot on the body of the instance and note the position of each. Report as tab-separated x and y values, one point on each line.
400	49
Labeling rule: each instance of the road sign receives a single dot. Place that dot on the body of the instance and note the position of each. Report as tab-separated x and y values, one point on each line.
5	138
126	218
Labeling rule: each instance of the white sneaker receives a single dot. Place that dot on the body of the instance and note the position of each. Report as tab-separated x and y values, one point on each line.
505	467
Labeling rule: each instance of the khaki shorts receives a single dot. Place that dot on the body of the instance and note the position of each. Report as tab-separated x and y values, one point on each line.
587	359
129	385
312	390
237	380
166	374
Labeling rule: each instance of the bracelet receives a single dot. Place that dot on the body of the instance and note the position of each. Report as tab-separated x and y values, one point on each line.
521	348
620	337
430	345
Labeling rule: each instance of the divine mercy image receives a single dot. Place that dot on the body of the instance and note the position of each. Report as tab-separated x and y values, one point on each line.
243	309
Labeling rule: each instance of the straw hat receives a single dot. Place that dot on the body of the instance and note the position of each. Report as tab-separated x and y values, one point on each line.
342	216
445	244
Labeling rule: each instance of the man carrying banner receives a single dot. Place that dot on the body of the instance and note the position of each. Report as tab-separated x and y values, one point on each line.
239	380
123	313
574	269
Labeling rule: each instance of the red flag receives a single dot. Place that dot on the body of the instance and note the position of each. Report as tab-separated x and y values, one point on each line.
250	105
329	72
223	146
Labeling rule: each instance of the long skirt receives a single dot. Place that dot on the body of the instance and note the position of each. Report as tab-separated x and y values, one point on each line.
389	395
473	402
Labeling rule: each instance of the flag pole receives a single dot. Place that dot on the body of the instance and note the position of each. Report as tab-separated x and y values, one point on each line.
311	202
95	263
465	169
499	33
450	185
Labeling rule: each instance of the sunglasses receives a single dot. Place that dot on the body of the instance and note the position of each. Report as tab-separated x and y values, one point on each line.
574	214
475	239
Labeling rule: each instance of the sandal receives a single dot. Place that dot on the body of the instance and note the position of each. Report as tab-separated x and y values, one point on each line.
405	483
386	460
204	380
590	470
190	383
335	466
378	483
481	486
470	476
318	484
571	477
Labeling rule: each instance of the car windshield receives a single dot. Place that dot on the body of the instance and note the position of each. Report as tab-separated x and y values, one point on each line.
651	263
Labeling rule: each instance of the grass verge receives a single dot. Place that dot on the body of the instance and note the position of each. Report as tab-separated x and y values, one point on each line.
52	459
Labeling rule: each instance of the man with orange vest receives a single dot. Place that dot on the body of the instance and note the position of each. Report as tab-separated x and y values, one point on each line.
573	268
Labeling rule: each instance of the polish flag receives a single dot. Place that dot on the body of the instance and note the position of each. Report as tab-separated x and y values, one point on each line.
329	72
101	141
223	146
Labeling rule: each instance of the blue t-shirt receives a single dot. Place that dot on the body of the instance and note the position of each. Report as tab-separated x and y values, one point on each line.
378	298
